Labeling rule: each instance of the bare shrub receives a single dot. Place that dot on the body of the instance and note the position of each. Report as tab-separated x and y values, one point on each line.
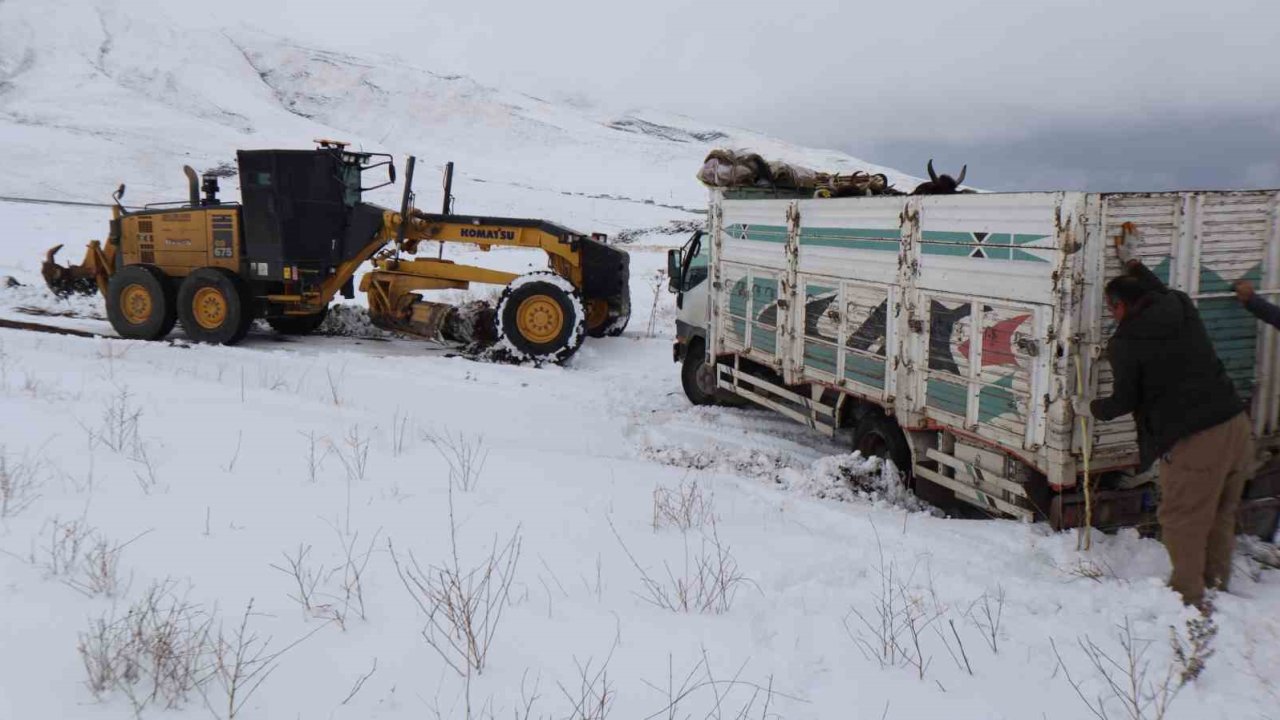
463	603
82	558
159	651
164	648
731	696
1129	680
354	454
657	283
707	581
315	459
241	664
986	613
684	506
65	546
335	384
20	483
120	419
399	432
359	684
305	577
890	632
333	594
1090	569
464	454
592	698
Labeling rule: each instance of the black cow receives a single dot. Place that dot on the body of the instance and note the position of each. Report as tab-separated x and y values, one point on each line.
940	185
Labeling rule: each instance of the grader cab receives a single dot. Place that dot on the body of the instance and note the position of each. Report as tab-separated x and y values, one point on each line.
297	238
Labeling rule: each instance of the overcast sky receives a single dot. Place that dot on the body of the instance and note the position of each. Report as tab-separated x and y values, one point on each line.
1032	94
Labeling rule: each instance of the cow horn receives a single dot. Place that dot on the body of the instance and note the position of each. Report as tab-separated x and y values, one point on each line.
932	175
960	179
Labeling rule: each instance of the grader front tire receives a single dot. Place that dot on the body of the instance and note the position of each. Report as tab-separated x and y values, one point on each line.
140	304
540	318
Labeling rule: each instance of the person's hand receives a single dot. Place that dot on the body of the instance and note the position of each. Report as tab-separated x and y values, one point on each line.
1128	243
1080	406
1244	290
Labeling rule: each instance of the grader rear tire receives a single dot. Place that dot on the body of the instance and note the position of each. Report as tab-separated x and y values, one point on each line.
215	307
140	304
540	318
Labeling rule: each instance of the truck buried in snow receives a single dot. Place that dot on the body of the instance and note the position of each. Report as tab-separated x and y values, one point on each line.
949	333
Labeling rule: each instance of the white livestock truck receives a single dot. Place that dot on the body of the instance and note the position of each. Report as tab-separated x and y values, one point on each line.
948	333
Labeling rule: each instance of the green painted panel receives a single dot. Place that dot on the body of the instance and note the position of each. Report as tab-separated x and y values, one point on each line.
764	338
820	356
883	240
947	397
994	401
864	369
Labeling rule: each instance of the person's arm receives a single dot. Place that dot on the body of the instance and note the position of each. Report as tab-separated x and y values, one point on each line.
1125	387
1267	312
1150	281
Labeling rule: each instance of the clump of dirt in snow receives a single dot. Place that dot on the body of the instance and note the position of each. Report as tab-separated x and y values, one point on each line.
351	321
847	478
853	477
38	300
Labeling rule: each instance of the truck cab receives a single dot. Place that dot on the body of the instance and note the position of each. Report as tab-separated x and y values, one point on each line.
687	272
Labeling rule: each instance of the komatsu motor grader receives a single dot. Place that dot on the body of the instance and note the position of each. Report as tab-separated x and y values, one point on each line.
297	238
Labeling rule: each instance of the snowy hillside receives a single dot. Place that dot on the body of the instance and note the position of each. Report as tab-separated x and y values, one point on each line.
128	91
303	505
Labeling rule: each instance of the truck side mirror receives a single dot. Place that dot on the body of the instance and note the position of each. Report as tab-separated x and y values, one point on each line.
673	271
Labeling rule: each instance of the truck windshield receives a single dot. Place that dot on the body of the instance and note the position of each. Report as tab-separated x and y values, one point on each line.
693	263
697	271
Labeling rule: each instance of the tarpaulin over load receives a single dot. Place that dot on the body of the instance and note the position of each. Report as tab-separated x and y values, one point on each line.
739	169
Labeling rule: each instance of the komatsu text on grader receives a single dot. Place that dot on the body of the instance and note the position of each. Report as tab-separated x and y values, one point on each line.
297	238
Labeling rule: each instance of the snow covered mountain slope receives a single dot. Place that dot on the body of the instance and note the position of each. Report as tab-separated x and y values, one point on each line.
126	90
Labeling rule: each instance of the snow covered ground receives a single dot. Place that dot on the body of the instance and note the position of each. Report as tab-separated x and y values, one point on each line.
229	461
372	462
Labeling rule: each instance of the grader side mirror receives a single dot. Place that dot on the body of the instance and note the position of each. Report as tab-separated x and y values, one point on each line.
391	172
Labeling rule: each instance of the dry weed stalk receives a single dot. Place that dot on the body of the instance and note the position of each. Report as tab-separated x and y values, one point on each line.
684	506
1128	678
464	454
463	603
707	581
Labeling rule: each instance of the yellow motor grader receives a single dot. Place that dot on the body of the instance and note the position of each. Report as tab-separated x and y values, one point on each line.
296	239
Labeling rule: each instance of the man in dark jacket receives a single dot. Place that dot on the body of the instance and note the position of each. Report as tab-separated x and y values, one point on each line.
1188	416
1261	309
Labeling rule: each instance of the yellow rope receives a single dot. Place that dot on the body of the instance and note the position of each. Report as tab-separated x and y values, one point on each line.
1084	536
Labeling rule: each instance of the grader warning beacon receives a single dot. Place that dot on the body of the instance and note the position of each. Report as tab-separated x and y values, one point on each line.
297	238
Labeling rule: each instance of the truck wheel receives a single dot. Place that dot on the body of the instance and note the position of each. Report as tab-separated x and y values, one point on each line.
298	324
214	307
878	435
139	303
540	318
697	376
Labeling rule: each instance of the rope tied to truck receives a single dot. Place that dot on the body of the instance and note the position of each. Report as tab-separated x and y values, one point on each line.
1084	536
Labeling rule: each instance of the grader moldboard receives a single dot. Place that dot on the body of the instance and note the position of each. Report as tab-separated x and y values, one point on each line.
297	238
